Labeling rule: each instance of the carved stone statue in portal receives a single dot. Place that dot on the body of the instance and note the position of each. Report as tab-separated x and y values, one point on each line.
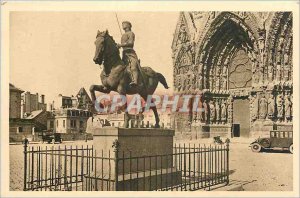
288	107
279	103
271	106
263	105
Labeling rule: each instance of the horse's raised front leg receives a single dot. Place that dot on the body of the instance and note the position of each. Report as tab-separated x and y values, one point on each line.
99	88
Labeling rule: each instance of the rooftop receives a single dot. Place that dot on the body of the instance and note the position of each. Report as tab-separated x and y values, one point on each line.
14	88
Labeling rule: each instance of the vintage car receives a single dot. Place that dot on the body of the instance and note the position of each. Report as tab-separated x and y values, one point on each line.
278	140
52	138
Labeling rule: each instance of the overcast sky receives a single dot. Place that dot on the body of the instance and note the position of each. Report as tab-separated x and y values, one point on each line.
52	52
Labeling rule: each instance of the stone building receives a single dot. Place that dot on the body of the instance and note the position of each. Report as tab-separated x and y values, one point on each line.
32	102
64	102
81	101
25	103
84	100
68	120
14	101
29	127
240	64
70	113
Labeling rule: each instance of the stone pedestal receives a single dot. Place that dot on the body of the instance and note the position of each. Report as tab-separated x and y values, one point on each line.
142	153
220	130
261	128
134	142
202	130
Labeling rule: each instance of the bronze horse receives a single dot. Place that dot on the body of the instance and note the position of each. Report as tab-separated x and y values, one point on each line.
116	77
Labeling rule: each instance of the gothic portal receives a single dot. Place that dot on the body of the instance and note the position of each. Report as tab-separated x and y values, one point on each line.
241	65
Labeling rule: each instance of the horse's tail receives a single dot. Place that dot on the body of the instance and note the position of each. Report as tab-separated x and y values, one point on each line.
162	80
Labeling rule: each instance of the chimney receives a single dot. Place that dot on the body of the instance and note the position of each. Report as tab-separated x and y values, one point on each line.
22	107
49	107
27	102
37	102
43	99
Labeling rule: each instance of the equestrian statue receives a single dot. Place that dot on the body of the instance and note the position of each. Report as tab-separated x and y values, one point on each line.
125	75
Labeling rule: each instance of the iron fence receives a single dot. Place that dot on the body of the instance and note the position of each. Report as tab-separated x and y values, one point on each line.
189	167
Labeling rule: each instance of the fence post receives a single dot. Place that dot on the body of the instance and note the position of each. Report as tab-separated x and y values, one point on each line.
116	146
227	161
25	163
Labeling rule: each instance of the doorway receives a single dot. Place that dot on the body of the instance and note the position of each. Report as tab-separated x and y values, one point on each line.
241	117
236	130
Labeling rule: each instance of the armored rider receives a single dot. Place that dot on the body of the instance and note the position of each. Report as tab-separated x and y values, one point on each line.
129	56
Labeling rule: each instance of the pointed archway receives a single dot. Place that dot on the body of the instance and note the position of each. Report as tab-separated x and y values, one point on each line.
230	63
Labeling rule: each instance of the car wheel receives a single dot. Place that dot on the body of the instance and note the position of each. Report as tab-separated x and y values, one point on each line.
291	148
256	147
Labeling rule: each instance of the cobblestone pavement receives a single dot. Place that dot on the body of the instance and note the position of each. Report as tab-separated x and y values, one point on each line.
266	171
17	161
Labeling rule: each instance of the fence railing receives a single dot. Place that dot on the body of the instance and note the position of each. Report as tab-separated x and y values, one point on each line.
189	167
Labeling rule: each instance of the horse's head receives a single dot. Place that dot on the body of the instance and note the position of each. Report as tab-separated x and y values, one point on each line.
105	47
99	53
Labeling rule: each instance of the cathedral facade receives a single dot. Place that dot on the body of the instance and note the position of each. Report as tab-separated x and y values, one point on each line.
240	64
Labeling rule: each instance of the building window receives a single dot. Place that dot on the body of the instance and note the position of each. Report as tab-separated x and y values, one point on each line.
64	123
81	124
20	129
73	123
56	123
51	124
